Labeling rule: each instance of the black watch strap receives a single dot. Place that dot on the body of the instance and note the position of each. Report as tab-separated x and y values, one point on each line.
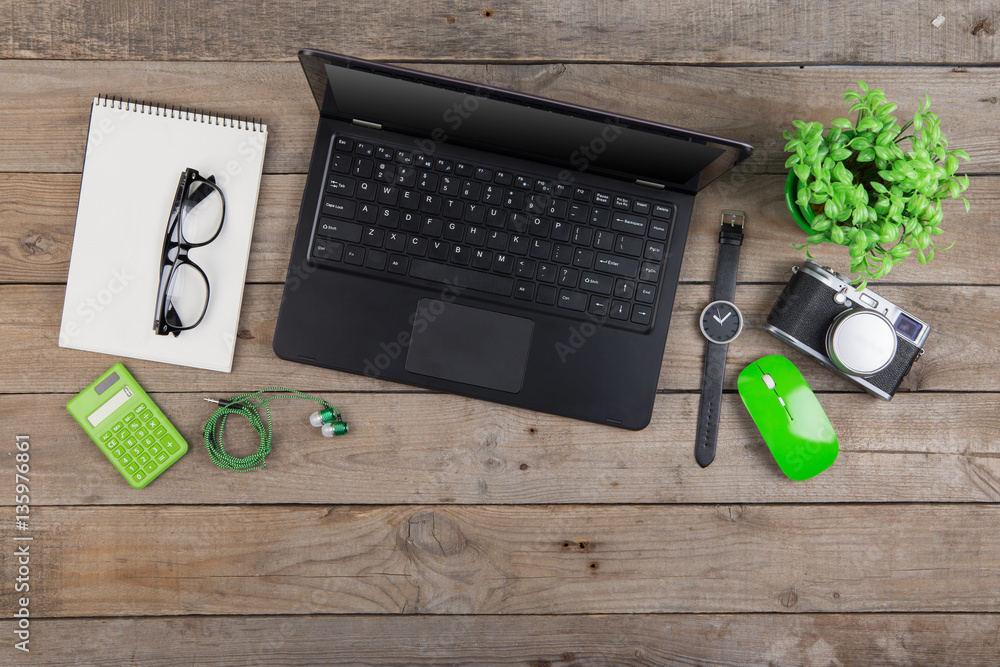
730	240
711	402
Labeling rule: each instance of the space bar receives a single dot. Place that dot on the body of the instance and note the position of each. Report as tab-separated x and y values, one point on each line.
455	275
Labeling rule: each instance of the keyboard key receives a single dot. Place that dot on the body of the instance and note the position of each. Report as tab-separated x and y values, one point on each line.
332	251
450	186
582	194
474	213
447	166
467	278
139	475
646	293
155	449
632	224
151	466
409	200
389	218
629	245
584	258
153	423
619	266
132	467
385	172
423	161
546	295
522	182
417	246
524	268
340	230
623	203
650	272
503	178
503	263
653	251
568	277
518	222
363	168
117	427
367	191
367	213
383	153
592	282
388	195
475	235
143	459
126	459
604	241
427	181
493	195
395	241
641	314
482	259
354	255
453	208
602	199
404	157
584	236
513	199
162	457
483	174
343	144
547	273
434	227
169	444
538	226
662	211
563	254
118	452
471	190
624	289
620	310
464	169
578	212
338	185
364	149
543	186
540	249
439	250
410	222
454	231
140	409
374	237
431	204
340	208
128	418
558	208
572	300
341	164
398	264
641	207
561	231
519	244
496	217
657	230
461	254
524	290
496	240
599	305
376	260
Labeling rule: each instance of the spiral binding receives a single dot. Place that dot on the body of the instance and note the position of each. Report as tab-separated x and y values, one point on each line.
182	113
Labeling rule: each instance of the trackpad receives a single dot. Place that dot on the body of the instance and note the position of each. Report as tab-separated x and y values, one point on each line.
469	345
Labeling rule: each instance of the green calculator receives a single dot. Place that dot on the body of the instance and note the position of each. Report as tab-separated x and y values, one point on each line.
127	426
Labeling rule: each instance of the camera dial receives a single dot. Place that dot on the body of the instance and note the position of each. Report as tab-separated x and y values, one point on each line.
861	342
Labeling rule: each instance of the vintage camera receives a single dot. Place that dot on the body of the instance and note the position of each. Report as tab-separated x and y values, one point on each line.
856	333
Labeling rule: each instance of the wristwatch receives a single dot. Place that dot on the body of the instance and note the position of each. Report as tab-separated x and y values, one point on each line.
721	322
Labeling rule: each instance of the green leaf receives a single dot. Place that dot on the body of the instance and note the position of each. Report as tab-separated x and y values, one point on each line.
842	123
841	154
801	172
883	152
866	155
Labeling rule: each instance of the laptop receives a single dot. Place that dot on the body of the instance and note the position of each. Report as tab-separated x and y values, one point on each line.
488	243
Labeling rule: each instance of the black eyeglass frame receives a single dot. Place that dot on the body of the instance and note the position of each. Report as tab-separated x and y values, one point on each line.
186	194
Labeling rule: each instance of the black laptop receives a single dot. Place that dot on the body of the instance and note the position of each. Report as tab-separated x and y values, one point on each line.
493	244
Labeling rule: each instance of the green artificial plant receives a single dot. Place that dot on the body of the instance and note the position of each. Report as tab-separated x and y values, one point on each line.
864	191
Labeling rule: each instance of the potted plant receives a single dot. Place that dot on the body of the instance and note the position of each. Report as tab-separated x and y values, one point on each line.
853	184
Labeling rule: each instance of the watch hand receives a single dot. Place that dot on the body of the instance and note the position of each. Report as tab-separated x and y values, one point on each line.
725	318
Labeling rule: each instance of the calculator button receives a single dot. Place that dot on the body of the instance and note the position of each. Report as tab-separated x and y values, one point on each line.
128	418
141	433
139	409
117	427
150	467
132	467
169	444
161	457
105	436
143	459
159	432
155	449
126	460
136	450
154	422
146	415
148	441
112	443
139	476
131	442
118	451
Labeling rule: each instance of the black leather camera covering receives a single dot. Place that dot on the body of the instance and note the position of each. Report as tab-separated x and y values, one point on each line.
804	310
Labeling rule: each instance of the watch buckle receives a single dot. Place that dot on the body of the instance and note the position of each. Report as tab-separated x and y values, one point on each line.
734	218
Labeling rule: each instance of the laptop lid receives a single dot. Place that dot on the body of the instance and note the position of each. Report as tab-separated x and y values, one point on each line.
436	109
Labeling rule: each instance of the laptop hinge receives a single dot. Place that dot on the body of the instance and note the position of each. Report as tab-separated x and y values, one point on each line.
365	123
649	184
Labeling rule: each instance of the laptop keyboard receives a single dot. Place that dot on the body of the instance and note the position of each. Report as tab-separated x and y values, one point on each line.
570	249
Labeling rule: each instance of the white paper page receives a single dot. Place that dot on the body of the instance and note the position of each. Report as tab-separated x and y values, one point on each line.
134	160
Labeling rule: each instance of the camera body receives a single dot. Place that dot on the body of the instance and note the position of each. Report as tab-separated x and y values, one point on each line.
856	333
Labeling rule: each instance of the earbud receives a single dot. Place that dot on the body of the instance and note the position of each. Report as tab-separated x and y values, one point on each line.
329	421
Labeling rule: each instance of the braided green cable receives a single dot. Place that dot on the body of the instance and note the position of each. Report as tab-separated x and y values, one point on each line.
248	405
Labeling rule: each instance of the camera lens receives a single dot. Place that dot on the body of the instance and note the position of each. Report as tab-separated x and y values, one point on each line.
861	342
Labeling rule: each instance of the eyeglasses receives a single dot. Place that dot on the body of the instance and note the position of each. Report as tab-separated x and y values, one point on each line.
196	218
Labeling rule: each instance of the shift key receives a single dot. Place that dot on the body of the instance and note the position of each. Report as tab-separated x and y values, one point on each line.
340	230
339	207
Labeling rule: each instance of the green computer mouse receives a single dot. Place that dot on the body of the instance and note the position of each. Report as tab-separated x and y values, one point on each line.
789	416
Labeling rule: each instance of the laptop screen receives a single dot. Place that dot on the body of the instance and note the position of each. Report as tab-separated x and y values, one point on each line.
436	110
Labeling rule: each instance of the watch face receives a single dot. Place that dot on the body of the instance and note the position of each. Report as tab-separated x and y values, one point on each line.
721	322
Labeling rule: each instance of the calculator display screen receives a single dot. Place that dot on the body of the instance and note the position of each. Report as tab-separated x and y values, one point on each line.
112	404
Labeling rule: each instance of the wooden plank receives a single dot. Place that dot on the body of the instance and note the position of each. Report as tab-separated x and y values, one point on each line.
172	560
7	29
959	357
687	32
959	640
39	210
750	104
420	448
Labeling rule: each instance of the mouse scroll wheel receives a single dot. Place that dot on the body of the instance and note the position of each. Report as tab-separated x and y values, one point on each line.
768	381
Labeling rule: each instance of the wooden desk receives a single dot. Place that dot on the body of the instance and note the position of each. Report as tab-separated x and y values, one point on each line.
444	529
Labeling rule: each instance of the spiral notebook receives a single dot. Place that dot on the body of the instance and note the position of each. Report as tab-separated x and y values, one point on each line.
135	155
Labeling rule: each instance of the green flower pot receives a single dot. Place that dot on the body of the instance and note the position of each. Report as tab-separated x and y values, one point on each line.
802	216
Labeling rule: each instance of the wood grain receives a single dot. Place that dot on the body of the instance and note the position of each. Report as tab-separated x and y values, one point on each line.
750	104
171	560
38	212
814	640
686	32
959	356
430	448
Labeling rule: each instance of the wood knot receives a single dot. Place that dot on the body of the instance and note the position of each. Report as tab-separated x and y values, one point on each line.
35	243
731	513
524	466
450	20
982	25
581	546
568	657
789	599
244	334
487	13
435	533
